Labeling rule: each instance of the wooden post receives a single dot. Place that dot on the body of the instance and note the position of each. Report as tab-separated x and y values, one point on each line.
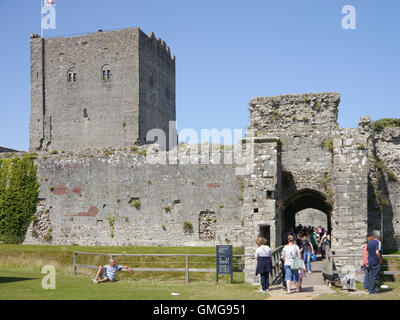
187	269
75	264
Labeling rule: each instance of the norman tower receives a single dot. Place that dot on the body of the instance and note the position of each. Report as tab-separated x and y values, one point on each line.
100	90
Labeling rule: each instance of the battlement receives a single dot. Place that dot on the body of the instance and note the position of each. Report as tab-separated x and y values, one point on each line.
290	111
151	36
161	43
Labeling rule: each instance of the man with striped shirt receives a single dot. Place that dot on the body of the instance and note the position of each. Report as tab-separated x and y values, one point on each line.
110	271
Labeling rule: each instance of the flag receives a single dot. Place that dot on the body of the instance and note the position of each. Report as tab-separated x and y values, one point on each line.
50	2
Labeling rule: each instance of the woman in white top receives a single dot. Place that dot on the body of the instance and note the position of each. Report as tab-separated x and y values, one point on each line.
264	264
289	252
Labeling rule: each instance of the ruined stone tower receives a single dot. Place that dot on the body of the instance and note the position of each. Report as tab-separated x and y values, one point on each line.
100	90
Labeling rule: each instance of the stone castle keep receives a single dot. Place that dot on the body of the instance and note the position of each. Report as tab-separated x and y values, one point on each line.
106	89
94	98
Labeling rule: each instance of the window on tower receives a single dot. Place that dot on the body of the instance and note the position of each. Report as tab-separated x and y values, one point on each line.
71	75
106	72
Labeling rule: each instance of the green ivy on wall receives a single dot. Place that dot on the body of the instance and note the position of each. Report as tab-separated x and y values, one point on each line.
19	191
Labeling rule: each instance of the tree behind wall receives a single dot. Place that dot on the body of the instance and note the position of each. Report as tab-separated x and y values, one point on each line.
19	190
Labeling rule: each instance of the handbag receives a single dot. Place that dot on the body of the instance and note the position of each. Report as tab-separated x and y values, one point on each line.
297	263
314	257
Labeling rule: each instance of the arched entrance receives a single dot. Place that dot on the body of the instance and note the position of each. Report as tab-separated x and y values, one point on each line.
305	199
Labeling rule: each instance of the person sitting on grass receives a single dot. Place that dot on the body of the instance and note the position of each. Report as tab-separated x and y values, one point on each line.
107	273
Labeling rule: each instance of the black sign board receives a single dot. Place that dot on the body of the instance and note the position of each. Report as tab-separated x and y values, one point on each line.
224	260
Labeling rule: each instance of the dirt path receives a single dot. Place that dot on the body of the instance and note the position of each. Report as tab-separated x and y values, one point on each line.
313	286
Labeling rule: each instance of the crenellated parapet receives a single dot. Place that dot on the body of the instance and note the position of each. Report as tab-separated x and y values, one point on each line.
160	43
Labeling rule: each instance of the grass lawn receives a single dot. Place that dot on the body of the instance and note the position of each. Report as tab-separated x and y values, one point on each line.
393	293
28	286
21	278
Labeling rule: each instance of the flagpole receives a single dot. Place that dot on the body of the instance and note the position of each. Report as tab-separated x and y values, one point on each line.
41	17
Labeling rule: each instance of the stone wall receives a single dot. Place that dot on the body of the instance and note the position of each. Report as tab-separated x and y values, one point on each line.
117	198
260	210
350	179
385	186
156	89
304	125
312	217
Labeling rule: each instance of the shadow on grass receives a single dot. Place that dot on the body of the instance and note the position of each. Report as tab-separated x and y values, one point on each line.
14	279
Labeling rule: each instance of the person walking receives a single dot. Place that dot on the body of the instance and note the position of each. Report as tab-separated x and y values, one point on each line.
302	275
365	261
374	250
308	251
299	239
282	266
313	236
289	252
325	241
264	264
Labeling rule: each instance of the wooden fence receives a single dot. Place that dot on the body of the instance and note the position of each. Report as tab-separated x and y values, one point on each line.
276	255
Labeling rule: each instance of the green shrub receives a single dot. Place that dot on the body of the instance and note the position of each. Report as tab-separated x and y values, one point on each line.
327	144
187	226
317	107
167	208
381	124
136	203
47	237
361	146
392	176
111	222
19	190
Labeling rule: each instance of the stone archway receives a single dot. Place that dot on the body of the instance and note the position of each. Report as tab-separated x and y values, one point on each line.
305	199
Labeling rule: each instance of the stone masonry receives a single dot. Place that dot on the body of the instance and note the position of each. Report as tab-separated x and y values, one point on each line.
312	217
105	89
95	98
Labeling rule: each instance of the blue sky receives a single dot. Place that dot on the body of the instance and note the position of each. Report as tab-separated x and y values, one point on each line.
227	52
